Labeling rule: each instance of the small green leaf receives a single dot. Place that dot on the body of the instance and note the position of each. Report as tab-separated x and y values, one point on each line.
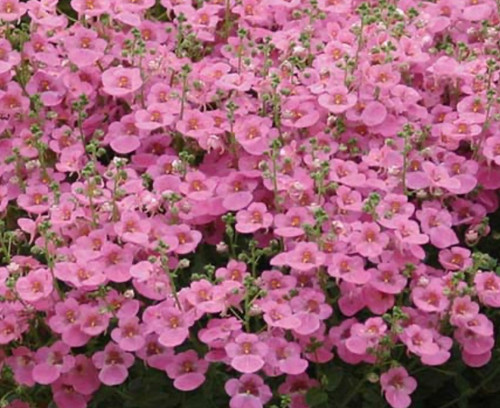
316	397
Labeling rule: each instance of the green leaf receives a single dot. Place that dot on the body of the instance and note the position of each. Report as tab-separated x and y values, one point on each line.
333	376
316	397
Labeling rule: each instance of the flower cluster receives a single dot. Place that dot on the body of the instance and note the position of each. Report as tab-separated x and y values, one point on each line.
275	191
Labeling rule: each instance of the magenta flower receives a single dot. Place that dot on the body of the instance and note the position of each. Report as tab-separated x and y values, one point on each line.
247	391
119	81
397	386
187	370
246	353
254	218
113	364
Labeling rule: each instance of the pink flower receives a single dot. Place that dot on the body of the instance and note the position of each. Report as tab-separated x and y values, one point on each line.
374	113
35	286
93	321
290	224
437	224
463	309
488	288
10	329
129	334
187	370
11	10
368	240
66	321
430	298
156	116
22	362
119	81
66	396
175	329
195	124
237	191
279	315
50	88
131	228
367	335
249	391
387	279
84	47
310	307
299	114
113	364
254	218
397	386
84	376
197	186
246	353
91	8
304	257
349	268
455	259
419	341
188	239
51	362
8	57
337	100
284	357
252	134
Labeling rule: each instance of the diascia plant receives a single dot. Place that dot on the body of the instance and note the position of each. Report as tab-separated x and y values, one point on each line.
249	203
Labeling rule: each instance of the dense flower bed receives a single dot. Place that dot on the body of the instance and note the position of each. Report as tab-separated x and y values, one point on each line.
276	203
